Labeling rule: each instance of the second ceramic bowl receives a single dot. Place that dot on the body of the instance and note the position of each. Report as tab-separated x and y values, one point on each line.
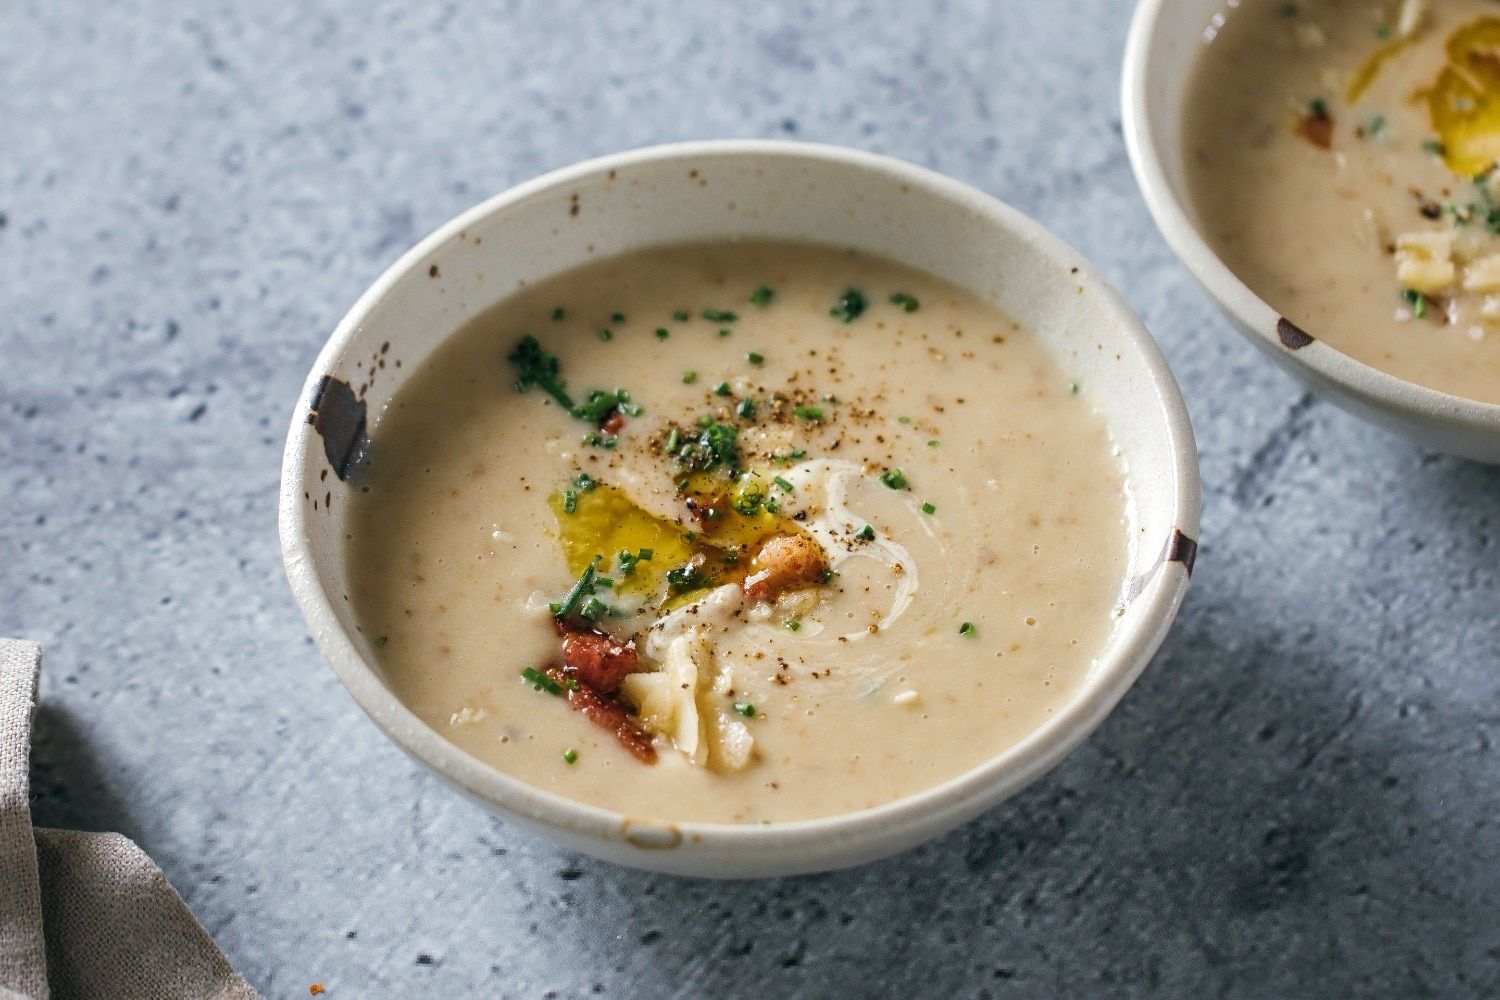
1166	37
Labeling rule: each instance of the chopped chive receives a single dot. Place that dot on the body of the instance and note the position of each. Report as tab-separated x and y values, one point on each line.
967	628
1376	126
1074	388
894	478
570	501
606	334
1416	300
558	313
908	303
772	507
933	443
661	333
745	708
826	576
762	296
719	316
688	378
674	438
1433	146
850	306
903	420
581	589
570	756
746	409
618	317
594	609
1318	107
1383	32
680	315
929	508
724	331
866	534
585	481
722	389
784	484
755	358
381	640
605	441
808	412
792	625
541	681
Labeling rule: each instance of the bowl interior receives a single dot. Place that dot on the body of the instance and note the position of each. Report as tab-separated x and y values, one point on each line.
708	192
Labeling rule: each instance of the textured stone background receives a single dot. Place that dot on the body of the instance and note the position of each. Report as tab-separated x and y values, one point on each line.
1298	798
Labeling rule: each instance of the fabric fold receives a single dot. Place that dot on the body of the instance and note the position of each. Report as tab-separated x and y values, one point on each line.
86	914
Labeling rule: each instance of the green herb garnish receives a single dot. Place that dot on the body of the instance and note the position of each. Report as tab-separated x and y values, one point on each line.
628	562
617	318
808	412
585	482
792	625
1416	300
712	446
894	478
967	628
689	577
661	333
866	534
570	501
570	756
745	708
908	303
929	508
784	484
762	296
558	314
541	681
606	335
580	590
746	409
535	366
719	316
755	358
680	315
1434	146
850	306
722	389
381	640
688	378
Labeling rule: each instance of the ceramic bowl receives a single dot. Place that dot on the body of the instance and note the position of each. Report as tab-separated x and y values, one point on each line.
718	191
1166	36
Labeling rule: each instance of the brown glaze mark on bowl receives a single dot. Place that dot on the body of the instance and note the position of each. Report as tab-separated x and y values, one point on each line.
1179	548
338	415
1292	336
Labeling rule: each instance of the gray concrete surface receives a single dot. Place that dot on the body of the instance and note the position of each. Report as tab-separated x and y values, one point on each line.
1299	798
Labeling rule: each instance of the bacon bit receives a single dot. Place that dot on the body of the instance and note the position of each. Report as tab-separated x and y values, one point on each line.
316	990
612	423
784	562
605	711
1317	126
597	659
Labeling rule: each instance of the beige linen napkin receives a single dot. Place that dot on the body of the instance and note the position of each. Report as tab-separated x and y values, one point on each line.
86	914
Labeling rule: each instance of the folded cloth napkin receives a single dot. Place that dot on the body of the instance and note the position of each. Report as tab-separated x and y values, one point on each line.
86	914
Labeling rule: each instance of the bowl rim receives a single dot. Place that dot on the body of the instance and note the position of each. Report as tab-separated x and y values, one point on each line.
1256	317
848	833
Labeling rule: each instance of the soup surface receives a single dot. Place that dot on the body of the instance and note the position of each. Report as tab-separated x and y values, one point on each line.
1339	157
739	533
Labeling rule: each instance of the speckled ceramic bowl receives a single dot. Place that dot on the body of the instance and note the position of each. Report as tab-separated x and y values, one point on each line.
1165	39
716	191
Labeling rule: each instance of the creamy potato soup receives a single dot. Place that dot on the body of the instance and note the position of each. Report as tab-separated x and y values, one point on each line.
739	533
1340	156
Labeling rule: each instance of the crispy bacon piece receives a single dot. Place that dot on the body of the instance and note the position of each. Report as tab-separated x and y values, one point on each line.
612	423
605	711
785	562
597	659
1317	126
